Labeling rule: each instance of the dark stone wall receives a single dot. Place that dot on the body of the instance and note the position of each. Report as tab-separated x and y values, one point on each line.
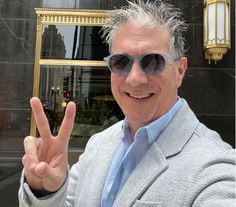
209	89
17	45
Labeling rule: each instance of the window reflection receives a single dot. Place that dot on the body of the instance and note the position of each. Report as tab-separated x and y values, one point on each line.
72	42
89	88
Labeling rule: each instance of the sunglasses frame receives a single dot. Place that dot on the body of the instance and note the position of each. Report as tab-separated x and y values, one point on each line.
166	58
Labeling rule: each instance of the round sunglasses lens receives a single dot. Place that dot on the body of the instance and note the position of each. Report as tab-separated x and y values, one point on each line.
119	63
153	64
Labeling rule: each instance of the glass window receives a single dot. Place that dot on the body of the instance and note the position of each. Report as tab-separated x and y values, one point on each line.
72	42
69	66
89	88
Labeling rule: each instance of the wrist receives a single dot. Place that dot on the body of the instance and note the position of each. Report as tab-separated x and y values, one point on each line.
41	193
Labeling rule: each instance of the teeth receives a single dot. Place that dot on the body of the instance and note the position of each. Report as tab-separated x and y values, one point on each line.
140	96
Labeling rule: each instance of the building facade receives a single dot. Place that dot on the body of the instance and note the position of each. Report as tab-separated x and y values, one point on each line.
208	88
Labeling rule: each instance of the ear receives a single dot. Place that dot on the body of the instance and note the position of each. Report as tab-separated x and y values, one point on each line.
182	68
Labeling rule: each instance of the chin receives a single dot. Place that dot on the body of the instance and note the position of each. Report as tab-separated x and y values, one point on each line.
139	119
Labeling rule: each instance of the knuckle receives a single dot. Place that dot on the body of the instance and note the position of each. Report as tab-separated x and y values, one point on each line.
28	140
31	178
26	163
30	145
24	160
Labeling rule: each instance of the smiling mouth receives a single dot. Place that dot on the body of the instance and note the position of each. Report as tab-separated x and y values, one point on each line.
142	96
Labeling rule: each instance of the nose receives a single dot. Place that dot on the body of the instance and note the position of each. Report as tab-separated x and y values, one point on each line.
136	76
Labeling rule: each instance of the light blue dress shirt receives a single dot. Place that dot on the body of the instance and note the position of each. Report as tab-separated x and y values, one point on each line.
130	153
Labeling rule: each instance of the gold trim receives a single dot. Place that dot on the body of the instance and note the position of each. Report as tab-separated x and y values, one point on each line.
206	2
225	8
217	45
229	20
215	53
91	63
36	71
72	16
216	23
75	12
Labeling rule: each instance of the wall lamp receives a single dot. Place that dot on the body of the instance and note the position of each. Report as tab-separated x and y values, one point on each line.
216	29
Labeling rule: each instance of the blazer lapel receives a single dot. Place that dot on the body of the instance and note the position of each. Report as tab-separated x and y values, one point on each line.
148	170
178	132
95	176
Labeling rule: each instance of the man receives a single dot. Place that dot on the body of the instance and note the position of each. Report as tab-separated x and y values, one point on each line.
160	155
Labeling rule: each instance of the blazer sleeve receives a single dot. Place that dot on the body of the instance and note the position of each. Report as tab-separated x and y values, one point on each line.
214	184
28	199
64	197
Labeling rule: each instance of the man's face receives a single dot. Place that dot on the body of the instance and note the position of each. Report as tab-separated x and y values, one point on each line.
142	97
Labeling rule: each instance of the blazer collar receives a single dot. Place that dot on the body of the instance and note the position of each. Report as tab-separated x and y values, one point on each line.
179	131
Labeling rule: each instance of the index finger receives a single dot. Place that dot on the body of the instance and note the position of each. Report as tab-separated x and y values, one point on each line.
68	122
40	118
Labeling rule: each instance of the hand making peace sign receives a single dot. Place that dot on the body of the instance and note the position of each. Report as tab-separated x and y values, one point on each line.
45	160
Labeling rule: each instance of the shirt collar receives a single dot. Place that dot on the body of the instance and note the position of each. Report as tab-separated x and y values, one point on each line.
153	129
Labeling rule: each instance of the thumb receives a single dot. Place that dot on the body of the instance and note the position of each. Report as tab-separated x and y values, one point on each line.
51	181
43	170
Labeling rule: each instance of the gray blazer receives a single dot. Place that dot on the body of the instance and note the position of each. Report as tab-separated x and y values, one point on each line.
188	165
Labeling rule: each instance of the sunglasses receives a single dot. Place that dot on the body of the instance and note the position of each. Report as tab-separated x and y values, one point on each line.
151	63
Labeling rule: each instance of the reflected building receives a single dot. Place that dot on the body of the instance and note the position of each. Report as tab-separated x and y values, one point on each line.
53	46
86	86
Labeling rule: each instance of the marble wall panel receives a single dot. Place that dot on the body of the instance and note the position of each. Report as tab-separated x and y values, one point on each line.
17	34
16	85
89	4
210	91
18	43
192	10
223	124
15	127
211	94
9	188
14	9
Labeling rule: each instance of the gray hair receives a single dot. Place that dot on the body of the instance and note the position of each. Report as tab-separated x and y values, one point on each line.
151	14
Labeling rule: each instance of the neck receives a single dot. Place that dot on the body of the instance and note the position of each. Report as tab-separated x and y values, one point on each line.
134	126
